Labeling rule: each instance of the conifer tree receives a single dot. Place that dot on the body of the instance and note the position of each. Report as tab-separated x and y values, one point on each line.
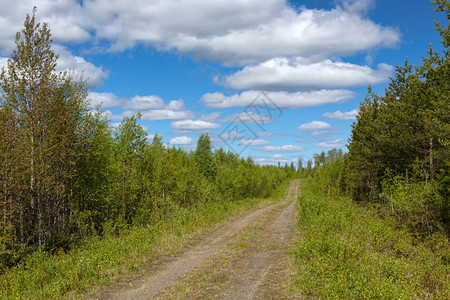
204	157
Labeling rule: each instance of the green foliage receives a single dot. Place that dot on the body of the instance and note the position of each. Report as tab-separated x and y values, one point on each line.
346	251
418	205
66	175
203	157
41	138
127	251
399	151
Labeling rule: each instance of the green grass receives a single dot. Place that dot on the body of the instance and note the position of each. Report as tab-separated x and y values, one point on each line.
345	251
102	260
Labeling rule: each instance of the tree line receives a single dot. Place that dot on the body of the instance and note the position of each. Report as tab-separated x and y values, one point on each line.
399	156
65	172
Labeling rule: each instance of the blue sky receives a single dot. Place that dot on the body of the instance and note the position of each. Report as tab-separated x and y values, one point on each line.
273	79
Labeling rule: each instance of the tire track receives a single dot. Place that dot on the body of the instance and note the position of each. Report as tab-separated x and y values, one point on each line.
150	284
249	283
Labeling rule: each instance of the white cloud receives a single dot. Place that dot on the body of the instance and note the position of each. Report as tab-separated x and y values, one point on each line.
248	117
177	105
151	107
110	116
321	134
194	125
67	61
145	102
331	144
280	99
105	100
274	160
314	125
251	142
233	135
338	115
284	148
267	134
76	66
310	33
165	114
66	20
3	62
181	140
357	6
298	73
238	32
212	117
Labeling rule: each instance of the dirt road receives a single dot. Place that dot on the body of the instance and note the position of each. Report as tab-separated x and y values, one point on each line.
244	259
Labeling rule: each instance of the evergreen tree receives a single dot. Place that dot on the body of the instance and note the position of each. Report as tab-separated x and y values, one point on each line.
204	159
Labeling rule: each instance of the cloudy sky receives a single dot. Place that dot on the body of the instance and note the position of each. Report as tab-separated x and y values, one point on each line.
274	79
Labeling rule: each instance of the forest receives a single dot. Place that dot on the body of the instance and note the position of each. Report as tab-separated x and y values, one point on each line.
398	153
374	221
66	173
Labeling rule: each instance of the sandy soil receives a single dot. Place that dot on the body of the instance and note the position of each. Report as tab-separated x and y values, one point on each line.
244	259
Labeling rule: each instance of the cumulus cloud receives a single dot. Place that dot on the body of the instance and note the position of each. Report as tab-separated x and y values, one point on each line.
284	148
298	73
145	102
267	134
338	115
177	105
66	20
232	135
3	62
280	99
248	117
105	100
310	33
80	67
76	66
181	140
251	142
192	125
331	144
151	107
238	32
356	6
165	114
67	23
314	125
212	117
274	160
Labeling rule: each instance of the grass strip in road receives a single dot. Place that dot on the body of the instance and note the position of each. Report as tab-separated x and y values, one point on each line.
345	251
103	260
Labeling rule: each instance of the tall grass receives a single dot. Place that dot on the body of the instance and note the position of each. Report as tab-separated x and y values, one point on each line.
346	251
122	252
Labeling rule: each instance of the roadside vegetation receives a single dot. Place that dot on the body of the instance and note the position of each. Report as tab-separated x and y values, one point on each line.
118	254
82	202
346	250
374	222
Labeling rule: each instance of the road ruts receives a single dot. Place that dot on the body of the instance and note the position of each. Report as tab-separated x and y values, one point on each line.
255	281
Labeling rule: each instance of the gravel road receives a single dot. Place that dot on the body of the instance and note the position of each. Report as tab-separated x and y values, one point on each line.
243	259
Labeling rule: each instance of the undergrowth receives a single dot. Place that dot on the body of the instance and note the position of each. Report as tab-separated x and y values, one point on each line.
346	251
120	253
